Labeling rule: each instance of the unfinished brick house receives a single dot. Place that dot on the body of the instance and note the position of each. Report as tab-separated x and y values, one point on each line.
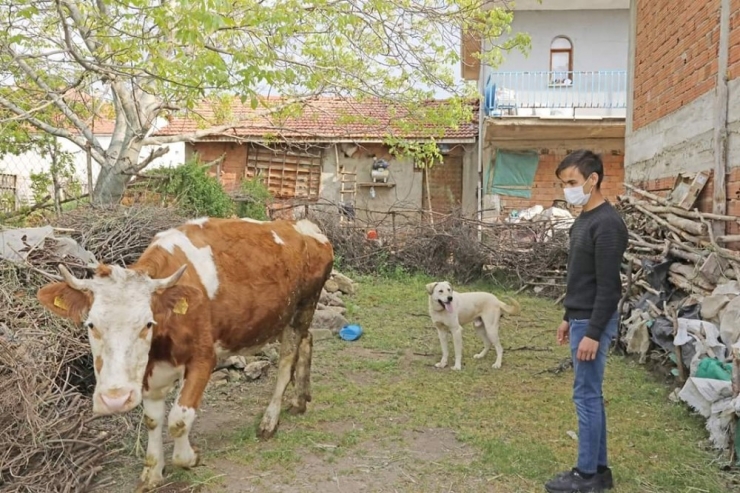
684	111
569	92
325	155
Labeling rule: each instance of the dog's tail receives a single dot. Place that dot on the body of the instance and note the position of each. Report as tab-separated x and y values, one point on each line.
513	309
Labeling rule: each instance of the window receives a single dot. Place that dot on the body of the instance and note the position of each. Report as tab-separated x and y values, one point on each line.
561	61
8	190
287	173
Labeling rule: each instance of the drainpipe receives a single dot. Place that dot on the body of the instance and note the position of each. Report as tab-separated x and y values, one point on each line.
719	199
481	131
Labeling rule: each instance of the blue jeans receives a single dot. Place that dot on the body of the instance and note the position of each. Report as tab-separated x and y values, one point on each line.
587	395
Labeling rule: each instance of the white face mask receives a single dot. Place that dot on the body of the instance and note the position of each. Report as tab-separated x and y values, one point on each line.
576	196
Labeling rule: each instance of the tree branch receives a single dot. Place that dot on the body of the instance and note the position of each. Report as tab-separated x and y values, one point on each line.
157	153
97	152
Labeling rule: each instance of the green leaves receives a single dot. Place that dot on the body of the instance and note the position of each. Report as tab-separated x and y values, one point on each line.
181	52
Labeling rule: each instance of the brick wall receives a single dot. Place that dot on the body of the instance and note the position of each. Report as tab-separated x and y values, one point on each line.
445	185
676	47
663	186
546	187
734	59
232	167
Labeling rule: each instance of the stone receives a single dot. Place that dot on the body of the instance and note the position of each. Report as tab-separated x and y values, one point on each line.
335	300
329	320
324	299
222	374
320	334
337	309
331	286
238	362
320	306
234	376
344	283
256	369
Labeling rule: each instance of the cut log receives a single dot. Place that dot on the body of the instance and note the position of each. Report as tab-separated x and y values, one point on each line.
691	274
684	284
697	229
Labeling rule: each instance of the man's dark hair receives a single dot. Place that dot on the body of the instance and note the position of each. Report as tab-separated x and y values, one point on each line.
586	162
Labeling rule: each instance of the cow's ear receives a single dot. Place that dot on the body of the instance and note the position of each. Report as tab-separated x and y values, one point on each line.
179	300
65	301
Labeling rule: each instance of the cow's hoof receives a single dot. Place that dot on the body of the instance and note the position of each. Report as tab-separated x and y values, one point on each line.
187	460
295	408
146	486
265	433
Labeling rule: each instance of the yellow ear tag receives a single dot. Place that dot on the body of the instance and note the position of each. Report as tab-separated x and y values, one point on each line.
59	303
181	307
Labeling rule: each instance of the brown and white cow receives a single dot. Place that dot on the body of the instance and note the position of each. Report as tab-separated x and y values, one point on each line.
211	287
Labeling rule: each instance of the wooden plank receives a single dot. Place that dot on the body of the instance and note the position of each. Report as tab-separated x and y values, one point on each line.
719	196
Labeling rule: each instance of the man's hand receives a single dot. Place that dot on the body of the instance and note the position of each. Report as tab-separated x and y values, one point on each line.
587	349
563	332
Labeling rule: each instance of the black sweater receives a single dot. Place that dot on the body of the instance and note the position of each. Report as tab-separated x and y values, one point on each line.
598	239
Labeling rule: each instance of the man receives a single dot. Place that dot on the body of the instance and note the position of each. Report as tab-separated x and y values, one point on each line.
598	239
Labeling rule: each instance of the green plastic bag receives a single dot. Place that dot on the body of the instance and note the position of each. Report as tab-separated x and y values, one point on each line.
713	368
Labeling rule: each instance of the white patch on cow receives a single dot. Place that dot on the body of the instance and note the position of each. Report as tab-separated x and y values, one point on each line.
307	228
163	379
250	220
199	221
154	410
180	423
201	258
119	324
181	415
277	239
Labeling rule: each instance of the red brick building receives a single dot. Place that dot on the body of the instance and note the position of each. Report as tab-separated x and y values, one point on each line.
326	153
684	114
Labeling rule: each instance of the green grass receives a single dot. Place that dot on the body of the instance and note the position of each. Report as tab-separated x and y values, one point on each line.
374	397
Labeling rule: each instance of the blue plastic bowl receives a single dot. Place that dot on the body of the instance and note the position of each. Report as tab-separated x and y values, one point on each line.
350	332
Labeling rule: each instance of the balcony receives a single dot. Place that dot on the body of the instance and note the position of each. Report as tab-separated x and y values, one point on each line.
565	94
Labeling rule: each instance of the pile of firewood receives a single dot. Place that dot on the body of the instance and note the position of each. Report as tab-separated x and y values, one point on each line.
681	306
659	229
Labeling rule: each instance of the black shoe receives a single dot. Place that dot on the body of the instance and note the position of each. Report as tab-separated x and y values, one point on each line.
607	481
572	482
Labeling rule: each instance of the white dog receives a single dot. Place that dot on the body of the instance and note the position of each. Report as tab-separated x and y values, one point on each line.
450	310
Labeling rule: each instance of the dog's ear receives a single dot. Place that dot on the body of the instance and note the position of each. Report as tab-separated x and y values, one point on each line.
430	287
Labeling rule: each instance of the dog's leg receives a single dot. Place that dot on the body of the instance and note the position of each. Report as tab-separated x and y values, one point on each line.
457	342
481	331
492	331
443	342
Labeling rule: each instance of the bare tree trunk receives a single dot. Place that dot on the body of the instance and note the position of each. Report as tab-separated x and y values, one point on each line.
113	177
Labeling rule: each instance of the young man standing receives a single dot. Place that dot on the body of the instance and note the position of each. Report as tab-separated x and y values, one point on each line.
598	239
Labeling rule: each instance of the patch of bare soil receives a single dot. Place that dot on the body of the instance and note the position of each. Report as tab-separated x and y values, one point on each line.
411	463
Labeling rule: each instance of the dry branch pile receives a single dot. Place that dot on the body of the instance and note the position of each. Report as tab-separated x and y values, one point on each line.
533	253
47	442
681	305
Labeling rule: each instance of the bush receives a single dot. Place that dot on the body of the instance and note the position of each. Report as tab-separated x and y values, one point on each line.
256	196
196	192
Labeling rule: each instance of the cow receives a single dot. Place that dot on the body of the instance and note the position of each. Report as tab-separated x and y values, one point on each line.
209	288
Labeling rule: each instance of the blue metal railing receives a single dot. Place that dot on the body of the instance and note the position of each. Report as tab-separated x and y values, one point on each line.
515	91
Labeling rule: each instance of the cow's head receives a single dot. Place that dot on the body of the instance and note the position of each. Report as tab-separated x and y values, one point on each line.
120	309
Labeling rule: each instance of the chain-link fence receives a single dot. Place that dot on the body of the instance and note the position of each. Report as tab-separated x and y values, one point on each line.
64	174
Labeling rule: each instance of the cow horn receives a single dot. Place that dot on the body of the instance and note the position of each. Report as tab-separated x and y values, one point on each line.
170	281
78	284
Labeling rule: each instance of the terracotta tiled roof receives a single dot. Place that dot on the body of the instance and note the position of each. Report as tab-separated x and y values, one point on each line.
322	119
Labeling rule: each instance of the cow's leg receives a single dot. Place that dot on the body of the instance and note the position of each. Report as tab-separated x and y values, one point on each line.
182	414
302	374
302	377
288	353
154	411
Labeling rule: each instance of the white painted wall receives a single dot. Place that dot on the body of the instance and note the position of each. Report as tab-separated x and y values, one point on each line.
22	166
599	37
